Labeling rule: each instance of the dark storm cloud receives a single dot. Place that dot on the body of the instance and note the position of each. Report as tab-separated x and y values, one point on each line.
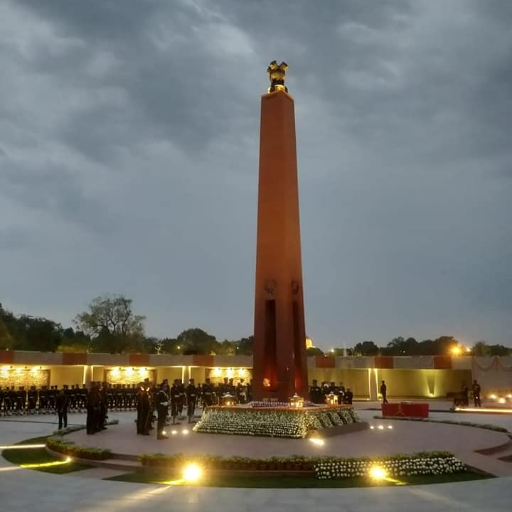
129	139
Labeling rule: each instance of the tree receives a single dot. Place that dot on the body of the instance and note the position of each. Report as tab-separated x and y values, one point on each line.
245	346
197	341
402	347
6	340
366	348
112	325
314	351
481	348
500	350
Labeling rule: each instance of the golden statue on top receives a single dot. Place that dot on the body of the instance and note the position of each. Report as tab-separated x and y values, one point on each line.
276	73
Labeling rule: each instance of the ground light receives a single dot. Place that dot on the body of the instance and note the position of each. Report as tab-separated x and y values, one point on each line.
317	441
497	410
378	473
192	473
22	446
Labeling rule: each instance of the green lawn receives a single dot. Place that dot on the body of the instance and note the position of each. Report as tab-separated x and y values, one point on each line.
35	456
285	481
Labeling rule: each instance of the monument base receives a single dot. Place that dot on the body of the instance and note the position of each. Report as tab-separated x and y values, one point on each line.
290	422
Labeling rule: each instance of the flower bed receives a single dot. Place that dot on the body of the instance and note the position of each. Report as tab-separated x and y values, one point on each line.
273	422
435	463
428	463
57	444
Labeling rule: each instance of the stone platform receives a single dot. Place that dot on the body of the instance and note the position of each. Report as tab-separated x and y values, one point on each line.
393	438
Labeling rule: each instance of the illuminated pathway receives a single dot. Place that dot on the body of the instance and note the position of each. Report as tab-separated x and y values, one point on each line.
23	490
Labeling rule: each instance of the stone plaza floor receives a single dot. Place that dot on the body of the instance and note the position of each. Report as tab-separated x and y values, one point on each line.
85	491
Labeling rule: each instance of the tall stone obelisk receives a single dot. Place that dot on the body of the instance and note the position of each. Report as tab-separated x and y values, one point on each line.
280	364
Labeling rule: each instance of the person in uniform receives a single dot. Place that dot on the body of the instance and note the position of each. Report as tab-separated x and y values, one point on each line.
175	401
61	404
476	393
142	410
1	400
465	394
93	405
32	399
315	393
241	392
162	406
384	392
191	400
348	397
207	393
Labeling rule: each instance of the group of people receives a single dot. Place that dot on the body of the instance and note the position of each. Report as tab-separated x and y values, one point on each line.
476	391
18	401
170	401
318	394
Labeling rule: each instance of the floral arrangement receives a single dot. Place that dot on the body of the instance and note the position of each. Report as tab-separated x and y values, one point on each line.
273	422
421	464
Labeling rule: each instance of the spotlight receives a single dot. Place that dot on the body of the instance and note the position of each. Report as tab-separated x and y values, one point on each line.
174	432
317	441
381	427
378	473
164	432
390	426
184	431
501	401
192	473
372	427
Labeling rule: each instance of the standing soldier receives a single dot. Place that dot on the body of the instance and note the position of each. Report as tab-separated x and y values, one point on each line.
103	407
476	393
207	393
32	400
175	401
315	393
142	410
249	391
93	404
182	399
52	395
384	392
241	392
162	406
191	400
61	404
348	397
465	394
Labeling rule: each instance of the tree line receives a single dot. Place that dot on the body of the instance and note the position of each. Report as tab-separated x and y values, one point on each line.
109	325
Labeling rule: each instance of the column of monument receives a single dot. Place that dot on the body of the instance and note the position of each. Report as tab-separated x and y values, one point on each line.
280	364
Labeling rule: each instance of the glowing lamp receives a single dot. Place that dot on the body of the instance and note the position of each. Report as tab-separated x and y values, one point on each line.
331	399
378	473
227	400
456	351
296	401
192	473
493	396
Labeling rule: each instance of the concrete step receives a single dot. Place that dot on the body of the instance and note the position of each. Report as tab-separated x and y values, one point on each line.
487	464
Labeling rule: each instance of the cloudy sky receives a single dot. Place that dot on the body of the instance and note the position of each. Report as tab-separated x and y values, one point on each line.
129	161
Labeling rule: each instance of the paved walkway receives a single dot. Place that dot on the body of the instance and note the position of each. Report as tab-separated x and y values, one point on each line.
402	437
23	490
